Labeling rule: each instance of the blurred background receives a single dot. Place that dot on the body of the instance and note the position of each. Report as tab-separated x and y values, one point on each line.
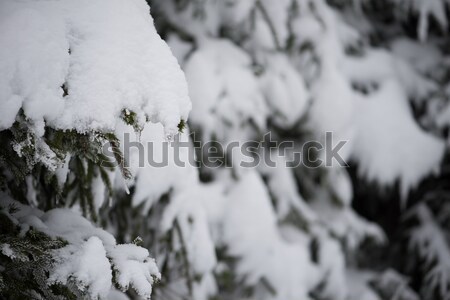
375	73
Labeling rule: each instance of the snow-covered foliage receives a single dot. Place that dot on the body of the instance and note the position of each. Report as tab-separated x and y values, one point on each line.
429	248
86	256
304	71
76	75
81	58
71	74
279	86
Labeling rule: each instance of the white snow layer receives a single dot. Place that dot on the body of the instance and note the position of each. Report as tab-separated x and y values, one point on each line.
389	144
106	54
185	213
91	256
232	95
264	254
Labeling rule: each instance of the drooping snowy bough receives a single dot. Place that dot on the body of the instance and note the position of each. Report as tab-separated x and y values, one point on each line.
77	65
300	69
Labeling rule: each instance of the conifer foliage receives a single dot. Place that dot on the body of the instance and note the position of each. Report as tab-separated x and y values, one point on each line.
81	216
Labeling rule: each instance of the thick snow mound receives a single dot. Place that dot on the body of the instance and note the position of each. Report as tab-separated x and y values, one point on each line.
396	147
232	95
92	255
78	64
92	260
284	90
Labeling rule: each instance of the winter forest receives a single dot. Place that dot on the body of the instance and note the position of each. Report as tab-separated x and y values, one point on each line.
225	149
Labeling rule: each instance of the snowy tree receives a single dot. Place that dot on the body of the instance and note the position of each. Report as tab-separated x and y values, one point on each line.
61	99
305	68
415	32
80	80
265	63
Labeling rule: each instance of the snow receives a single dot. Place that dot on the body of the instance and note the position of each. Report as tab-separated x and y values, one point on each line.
185	212
379	66
239	210
106	53
387	142
88	265
91	256
77	65
430	242
134	268
261	37
180	48
331	107
282	186
359	285
284	90
6	250
34	60
203	19
396	148
62	171
346	224
424	57
392	284
235	11
132	263
330	256
117	295
340	185
256	241
186	209
155	146
277	15
207	22
232	95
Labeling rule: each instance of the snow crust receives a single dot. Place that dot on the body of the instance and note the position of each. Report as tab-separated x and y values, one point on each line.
105	55
396	147
256	240
92	254
232	95
78	64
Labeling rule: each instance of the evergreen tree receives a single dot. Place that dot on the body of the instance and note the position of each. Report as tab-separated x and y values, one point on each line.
83	216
